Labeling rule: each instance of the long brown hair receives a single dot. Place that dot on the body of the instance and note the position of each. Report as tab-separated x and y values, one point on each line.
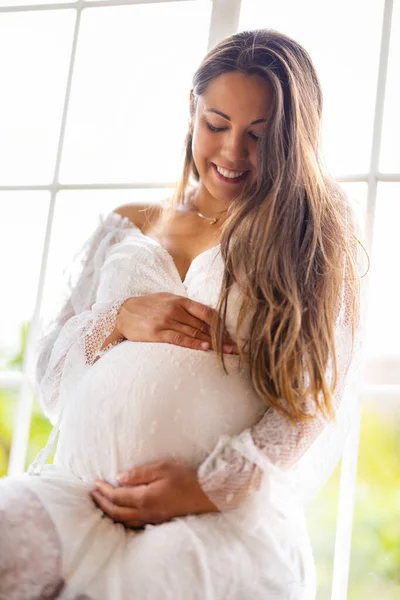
289	240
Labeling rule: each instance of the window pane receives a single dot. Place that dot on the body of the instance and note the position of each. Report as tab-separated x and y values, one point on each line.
357	195
39	430
130	96
321	519
35	50
76	216
383	324
346	57
375	558
390	156
8	400
22	229
23	217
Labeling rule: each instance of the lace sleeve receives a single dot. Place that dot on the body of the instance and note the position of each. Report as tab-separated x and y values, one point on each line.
276	447
277	456
82	322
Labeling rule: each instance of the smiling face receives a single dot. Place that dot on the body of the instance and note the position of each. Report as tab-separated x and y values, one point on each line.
228	119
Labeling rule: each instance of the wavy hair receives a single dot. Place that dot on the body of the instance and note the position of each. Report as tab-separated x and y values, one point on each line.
289	239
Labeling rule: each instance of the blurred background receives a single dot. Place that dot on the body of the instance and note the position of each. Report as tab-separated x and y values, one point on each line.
93	113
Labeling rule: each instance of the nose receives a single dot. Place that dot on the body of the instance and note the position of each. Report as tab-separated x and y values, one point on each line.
234	149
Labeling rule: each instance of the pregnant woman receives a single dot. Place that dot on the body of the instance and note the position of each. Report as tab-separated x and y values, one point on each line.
196	374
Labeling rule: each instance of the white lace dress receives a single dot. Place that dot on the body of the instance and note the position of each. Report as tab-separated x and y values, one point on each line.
144	401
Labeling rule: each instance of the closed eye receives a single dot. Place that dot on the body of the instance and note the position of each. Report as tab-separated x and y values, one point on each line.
218	129
215	128
254	136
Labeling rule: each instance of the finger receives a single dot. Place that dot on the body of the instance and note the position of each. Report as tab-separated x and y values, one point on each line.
129	497
201	311
170	336
191	331
118	514
229	346
204	319
135	525
199	330
199	315
151	520
229	349
105	488
143	474
181	315
228	339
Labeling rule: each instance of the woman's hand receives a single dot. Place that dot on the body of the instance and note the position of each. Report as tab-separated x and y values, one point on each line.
165	317
153	493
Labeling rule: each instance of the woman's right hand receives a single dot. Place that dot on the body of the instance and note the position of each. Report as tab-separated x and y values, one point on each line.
165	317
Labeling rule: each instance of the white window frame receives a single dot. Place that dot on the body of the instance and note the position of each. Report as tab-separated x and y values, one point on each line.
224	22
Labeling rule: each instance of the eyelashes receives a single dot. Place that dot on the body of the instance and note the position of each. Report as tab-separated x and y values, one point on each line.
214	128
218	129
254	136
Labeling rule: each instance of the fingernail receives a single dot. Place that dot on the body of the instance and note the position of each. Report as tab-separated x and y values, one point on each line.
122	477
205	345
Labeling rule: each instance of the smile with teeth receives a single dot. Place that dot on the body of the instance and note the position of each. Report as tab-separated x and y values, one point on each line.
229	174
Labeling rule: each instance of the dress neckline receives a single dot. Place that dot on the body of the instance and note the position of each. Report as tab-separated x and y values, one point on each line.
169	256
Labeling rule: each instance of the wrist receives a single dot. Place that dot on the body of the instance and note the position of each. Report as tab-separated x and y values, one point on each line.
205	503
119	323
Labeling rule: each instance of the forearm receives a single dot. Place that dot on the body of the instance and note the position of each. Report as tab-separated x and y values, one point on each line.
103	334
115	336
228	488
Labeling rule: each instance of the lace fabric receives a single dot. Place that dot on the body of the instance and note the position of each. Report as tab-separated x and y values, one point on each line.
116	263
276	458
298	454
30	554
81	321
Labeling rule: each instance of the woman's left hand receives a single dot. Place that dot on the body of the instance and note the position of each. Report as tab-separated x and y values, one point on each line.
153	493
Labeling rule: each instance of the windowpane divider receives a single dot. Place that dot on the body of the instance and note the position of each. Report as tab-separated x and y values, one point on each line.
23	419
348	475
81	4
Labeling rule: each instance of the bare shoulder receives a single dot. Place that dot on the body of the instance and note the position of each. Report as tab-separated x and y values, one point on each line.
141	215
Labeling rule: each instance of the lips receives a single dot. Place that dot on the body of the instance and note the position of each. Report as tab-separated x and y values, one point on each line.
229	179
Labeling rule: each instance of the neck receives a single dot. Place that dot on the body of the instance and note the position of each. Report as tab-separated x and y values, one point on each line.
202	201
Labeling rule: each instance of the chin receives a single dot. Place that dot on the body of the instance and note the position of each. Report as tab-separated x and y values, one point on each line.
223	192
219	193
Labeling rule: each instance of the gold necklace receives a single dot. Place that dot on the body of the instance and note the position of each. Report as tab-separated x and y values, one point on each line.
212	220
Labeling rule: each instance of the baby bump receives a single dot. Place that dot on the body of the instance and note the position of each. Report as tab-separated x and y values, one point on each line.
145	401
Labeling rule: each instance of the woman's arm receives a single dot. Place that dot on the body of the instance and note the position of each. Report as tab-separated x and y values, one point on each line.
308	451
86	327
81	321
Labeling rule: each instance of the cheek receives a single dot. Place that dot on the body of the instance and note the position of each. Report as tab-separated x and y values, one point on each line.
205	144
253	157
253	152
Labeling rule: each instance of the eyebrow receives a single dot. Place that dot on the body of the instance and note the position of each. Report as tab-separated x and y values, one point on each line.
218	112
